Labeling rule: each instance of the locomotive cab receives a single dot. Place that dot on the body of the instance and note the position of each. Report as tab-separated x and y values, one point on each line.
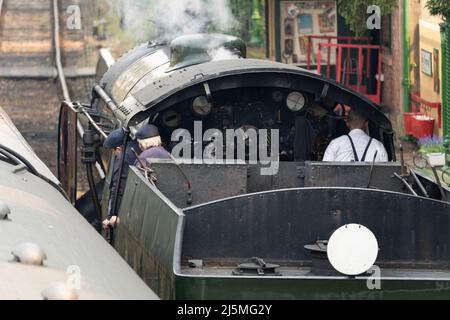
212	105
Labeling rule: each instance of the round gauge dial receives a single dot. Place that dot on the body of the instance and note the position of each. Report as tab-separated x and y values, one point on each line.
277	96
201	106
171	119
295	101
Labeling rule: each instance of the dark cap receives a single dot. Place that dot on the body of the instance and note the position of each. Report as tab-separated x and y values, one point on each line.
114	140
147	131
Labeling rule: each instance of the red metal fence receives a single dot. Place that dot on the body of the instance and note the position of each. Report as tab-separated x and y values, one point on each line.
329	39
364	57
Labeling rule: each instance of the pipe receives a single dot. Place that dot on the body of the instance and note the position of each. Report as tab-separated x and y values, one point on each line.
114	209
58	61
106	98
95	200
405	183
60	69
93	123
406	58
421	187
438	181
445	94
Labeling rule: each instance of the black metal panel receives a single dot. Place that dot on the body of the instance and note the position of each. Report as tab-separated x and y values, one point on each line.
208	182
214	182
323	174
290	175
276	225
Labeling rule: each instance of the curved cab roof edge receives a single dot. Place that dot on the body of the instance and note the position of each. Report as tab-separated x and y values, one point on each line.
138	104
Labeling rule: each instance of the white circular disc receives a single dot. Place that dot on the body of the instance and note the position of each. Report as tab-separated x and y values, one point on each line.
352	249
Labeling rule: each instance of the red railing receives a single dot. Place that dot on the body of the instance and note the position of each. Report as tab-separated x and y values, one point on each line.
422	106
340	39
360	86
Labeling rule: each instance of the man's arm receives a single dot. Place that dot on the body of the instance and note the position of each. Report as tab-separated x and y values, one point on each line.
382	153
330	153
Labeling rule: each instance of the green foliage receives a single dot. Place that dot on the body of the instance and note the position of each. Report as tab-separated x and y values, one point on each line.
355	12
439	8
432	144
242	11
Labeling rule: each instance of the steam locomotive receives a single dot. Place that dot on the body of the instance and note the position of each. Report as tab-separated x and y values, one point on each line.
221	229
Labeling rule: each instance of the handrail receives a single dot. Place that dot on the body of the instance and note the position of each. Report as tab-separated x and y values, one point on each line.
347	39
360	47
61	76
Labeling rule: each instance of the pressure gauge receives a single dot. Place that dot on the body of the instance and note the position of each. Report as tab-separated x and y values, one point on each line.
201	106
277	96
295	101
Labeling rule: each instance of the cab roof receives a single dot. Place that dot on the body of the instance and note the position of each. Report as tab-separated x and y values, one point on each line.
161	87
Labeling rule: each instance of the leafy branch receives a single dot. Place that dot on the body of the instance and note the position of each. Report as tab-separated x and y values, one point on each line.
355	12
439	8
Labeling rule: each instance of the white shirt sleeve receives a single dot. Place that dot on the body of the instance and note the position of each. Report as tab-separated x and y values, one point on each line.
382	153
330	153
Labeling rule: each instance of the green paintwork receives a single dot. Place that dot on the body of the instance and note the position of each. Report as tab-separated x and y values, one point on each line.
190	288
406	58
445	43
146	237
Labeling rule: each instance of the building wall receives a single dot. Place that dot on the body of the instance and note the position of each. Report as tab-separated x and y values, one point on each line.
415	13
426	33
392	88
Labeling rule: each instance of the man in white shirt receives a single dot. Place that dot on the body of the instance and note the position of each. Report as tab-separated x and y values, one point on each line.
357	145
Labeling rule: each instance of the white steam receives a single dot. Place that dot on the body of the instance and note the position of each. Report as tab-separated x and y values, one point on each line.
167	19
173	18
222	53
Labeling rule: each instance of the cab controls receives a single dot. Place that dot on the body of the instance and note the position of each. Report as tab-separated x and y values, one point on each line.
201	106
296	101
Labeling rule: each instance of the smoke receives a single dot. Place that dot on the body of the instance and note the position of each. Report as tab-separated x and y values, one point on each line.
173	18
167	19
222	53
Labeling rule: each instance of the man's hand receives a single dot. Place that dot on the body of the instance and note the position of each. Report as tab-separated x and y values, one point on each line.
105	224
113	222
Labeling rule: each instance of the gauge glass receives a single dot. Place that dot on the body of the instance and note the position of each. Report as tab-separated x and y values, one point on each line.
296	101
201	106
